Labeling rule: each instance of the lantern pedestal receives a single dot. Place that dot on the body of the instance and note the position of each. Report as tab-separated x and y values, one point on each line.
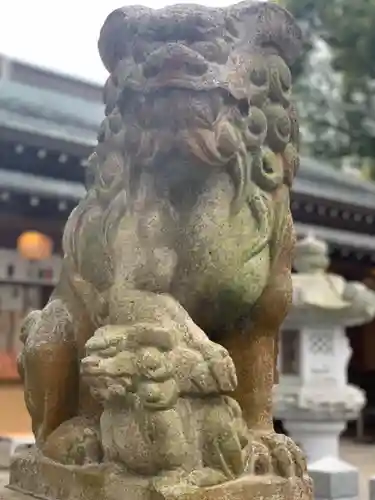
314	399
316	404
305	433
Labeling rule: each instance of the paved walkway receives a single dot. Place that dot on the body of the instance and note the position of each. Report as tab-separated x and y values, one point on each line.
361	456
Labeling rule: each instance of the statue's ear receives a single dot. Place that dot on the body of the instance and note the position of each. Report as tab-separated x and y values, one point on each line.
115	40
250	23
265	24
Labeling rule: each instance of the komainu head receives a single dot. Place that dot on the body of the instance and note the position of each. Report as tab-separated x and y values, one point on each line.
209	83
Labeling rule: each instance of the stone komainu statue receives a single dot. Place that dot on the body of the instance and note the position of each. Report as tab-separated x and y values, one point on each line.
182	245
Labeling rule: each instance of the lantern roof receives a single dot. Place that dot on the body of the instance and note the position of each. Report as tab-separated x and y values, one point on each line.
311	254
322	297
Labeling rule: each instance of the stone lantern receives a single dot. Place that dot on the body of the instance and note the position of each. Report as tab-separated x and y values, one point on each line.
313	398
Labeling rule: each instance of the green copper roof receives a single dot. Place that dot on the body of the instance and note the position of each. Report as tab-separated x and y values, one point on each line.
49	113
56	115
319	179
338	237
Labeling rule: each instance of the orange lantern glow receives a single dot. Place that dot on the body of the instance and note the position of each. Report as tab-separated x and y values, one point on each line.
33	245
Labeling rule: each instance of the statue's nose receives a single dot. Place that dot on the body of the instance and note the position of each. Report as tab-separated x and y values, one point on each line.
174	58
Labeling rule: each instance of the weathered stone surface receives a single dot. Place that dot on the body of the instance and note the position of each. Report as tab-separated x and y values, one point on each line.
51	480
182	246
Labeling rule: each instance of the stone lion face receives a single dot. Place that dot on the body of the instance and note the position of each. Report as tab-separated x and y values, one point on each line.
212	84
196	83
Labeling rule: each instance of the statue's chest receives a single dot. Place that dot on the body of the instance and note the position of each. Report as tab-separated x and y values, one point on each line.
223	258
143	251
202	253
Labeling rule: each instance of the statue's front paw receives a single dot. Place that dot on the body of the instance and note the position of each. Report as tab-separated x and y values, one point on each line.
224	371
75	442
273	453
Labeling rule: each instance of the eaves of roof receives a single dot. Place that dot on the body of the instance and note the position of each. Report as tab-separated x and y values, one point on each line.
24	108
21	182
52	188
320	180
337	237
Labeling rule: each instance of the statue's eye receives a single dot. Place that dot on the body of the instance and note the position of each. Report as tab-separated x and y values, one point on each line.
268	168
244	107
259	76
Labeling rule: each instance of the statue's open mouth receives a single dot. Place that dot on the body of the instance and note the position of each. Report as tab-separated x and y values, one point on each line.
173	65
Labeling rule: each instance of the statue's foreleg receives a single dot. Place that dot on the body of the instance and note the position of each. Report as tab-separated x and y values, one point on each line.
49	367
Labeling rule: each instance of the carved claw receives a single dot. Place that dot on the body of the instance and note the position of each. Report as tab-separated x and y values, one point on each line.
177	481
223	371
211	376
277	454
105	342
170	482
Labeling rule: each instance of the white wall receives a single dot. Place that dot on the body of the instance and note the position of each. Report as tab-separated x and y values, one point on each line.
15	269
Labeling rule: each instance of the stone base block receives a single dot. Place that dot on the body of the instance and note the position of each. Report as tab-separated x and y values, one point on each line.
32	474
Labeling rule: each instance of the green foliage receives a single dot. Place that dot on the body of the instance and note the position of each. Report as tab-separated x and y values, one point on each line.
347	29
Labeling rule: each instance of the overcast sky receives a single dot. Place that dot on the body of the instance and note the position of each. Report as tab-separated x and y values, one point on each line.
62	35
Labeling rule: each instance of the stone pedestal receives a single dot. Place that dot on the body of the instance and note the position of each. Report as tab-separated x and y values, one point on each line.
335	480
305	434
32	473
314	399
